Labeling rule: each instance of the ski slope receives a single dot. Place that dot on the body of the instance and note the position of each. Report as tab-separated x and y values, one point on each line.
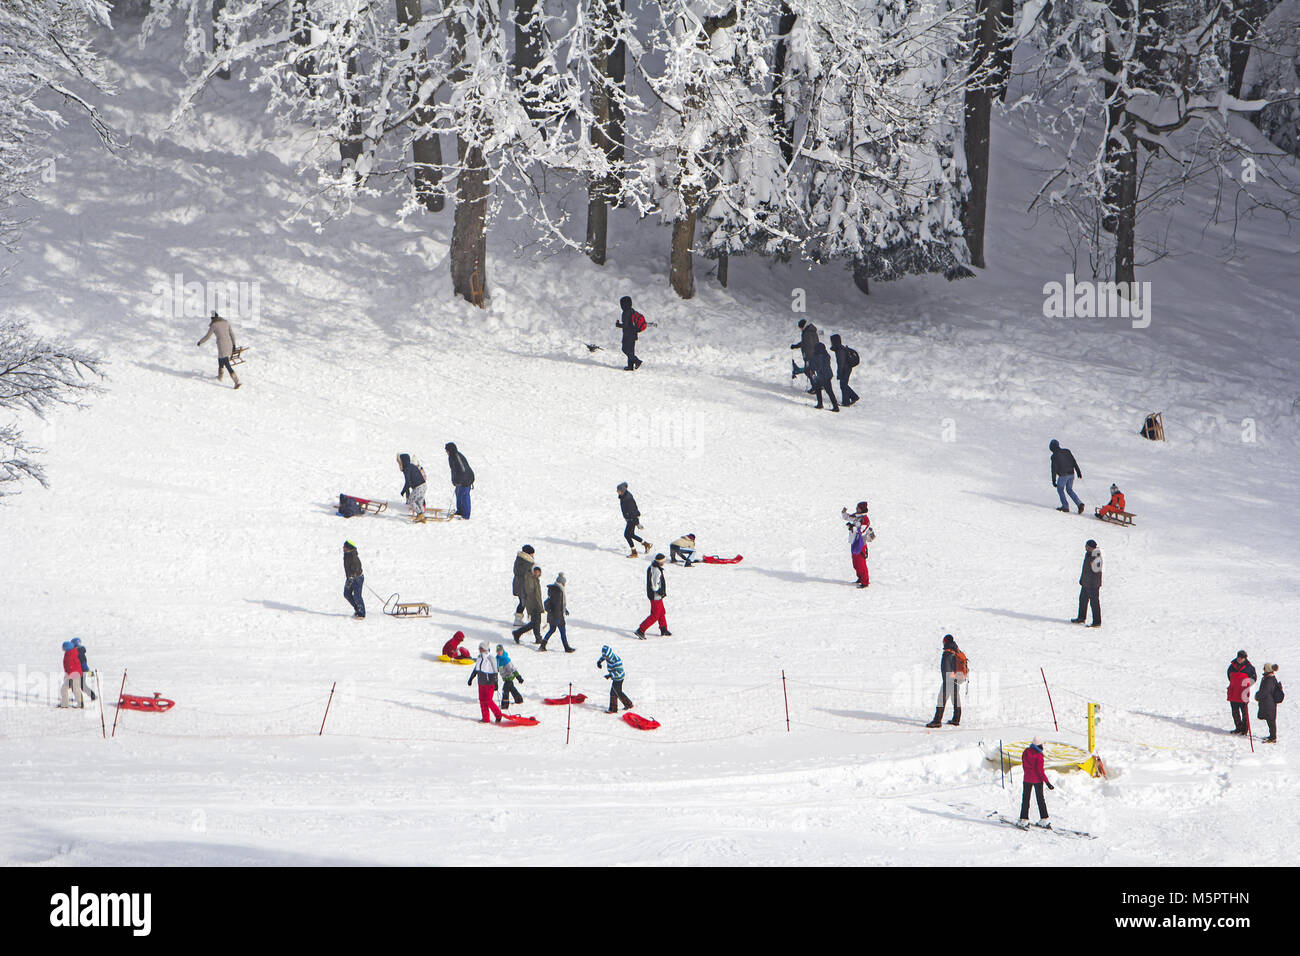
189	536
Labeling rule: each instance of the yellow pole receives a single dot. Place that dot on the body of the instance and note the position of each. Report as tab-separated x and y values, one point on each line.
1092	729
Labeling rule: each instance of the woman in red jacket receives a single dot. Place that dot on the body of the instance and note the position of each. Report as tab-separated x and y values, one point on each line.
71	675
1035	776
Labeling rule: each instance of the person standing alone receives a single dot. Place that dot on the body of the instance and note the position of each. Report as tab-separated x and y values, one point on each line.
632	519
633	324
1064	468
354	580
225	346
1035	778
953	669
1090	585
462	478
615	675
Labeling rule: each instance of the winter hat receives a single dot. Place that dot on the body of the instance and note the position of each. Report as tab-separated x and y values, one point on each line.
1038	741
76	642
450	446
458	636
1270	668
527	549
67	645
625	303
691	536
501	651
948	641
1242	654
835	339
802	323
659	556
1113	488
537	569
403	459
483	647
1090	544
622	487
604	651
561	580
862	507
1054	445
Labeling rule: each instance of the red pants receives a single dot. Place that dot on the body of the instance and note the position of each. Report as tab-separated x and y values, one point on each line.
656	614
487	701
1107	510
860	567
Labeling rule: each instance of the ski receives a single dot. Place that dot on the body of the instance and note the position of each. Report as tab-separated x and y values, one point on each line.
1079	834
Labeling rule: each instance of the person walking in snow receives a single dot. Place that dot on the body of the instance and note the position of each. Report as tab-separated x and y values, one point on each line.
71	676
821	377
1064	468
807	346
1241	674
85	668
952	674
1269	695
631	518
523	571
860	535
1116	503
354	580
633	324
485	672
413	481
453	649
615	675
684	548
1035	778
509	675
656	588
462	478
846	359
225	346
557	606
532	600
1090	585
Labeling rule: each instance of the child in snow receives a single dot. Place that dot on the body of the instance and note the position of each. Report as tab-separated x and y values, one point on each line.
683	547
656	589
509	674
557	607
225	346
85	668
1116	503
485	671
413	484
614	674
453	649
1035	777
71	675
354	580
860	534
1269	696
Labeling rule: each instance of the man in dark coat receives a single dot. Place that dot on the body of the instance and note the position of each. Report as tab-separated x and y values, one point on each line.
821	377
557	606
1090	585
532	601
1269	696
523	568
632	517
630	323
950	685
462	478
1241	674
1064	468
807	346
355	580
843	369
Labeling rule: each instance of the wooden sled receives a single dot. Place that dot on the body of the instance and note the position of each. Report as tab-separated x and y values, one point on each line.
237	356
1153	427
1119	517
393	607
434	514
371	507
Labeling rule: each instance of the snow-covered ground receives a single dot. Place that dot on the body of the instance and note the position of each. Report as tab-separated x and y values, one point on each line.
189	536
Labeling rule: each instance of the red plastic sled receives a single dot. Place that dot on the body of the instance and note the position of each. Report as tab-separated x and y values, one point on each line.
567	699
715	559
154	704
639	722
519	720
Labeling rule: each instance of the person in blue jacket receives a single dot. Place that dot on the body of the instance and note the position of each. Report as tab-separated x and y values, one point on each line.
614	674
509	674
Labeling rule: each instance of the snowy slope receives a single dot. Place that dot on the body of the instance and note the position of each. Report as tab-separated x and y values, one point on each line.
189	536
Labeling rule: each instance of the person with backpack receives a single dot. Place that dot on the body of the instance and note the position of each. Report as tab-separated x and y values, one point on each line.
71	676
509	675
557	606
954	668
684	548
354	580
453	649
633	324
656	589
846	360
821	377
1116	503
1064	468
615	675
632	519
225	346
462	478
860	535
1241	674
1269	695
532	601
523	570
1090	585
1035	778
807	346
485	672
413	479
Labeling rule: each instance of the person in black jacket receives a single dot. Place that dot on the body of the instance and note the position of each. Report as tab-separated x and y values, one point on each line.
1090	585
557	606
524	562
1269	696
844	366
807	346
413	484
1064	468
630	326
632	516
951	683
821	377
355	580
1238	690
462	478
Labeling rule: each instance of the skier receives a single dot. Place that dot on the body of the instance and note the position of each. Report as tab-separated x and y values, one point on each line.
860	535
453	649
683	547
1116	503
615	675
632	516
807	346
1269	695
557	606
1035	777
462	478
532	601
485	669
633	324
85	668
656	588
821	377
1064	468
354	580
846	359
1241	674
509	674
1090	585
523	568
71	676
225	346
413	484
953	670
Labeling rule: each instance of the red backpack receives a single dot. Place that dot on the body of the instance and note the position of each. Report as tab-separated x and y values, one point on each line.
960	666
638	320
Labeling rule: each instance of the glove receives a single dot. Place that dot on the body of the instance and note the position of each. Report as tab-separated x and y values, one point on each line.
597	665
608	677
520	678
199	344
1049	786
470	681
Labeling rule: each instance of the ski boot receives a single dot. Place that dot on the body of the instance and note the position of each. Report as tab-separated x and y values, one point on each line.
938	718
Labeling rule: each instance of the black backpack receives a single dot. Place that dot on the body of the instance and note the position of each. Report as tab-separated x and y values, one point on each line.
349	507
852	356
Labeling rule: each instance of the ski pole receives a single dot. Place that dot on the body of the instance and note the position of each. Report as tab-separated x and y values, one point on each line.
1049	700
103	730
568	720
1002	763
327	709
118	712
786	695
1249	733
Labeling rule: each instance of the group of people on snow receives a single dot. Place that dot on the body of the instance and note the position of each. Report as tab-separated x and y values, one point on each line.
817	366
414	481
1241	677
76	673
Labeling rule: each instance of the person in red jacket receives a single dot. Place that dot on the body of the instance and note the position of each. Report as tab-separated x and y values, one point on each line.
71	675
1116	503
453	649
1241	674
860	534
1035	777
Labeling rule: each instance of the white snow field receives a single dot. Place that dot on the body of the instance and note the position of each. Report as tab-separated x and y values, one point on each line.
189	536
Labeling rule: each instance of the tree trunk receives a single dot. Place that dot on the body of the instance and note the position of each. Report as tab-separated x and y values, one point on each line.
602	190
219	35
469	227
860	277
616	70
724	268
426	149
988	79
1126	197
350	144
1247	15
781	125
1111	65
681	271
304	65
528	57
